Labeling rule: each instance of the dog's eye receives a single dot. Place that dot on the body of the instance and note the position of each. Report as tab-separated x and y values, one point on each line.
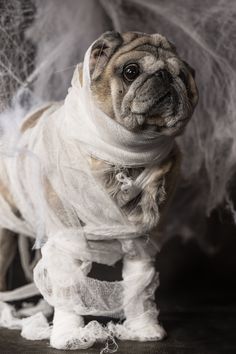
131	72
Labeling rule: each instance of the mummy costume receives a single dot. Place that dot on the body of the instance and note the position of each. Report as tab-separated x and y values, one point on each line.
62	203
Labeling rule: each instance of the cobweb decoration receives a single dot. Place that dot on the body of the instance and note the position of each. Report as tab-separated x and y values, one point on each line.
43	40
16	52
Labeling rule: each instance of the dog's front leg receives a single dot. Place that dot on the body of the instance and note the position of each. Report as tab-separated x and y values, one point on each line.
140	282
56	276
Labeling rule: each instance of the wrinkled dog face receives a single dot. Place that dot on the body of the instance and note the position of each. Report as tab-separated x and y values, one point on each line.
139	80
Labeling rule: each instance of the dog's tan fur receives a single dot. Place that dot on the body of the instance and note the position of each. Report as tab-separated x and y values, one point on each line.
108	56
156	195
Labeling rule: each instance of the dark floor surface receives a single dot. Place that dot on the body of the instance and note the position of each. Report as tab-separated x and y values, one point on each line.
197	323
197	299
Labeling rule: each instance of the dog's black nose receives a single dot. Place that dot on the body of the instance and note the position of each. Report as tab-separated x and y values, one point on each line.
163	75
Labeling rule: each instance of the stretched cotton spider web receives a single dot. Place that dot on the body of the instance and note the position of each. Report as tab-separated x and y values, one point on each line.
16	53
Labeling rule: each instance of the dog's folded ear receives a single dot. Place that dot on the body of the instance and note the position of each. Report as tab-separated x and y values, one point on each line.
101	52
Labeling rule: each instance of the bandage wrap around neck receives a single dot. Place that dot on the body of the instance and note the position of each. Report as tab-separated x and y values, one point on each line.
103	137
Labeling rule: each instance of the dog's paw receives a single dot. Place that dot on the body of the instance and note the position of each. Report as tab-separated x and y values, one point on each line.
147	332
70	340
154	332
68	331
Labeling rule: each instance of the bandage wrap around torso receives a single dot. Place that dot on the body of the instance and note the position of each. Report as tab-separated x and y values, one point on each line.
54	187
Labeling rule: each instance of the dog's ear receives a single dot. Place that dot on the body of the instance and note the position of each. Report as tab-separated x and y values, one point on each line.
101	52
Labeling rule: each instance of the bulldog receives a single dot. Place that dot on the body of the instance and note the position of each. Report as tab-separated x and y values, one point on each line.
140	95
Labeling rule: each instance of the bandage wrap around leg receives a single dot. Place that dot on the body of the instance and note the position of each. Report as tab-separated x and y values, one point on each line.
64	283
139	302
58	194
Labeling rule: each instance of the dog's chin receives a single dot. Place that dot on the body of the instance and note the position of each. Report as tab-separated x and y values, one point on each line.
175	119
155	117
166	117
165	129
170	126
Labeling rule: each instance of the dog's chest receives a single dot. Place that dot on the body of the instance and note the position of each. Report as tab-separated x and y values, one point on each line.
139	192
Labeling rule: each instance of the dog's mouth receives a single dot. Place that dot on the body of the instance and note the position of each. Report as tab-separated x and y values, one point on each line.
159	109
151	105
166	115
163	107
157	104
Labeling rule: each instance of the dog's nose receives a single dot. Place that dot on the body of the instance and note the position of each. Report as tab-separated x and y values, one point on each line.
163	75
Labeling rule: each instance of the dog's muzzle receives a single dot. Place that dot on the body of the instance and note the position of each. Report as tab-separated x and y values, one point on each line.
154	94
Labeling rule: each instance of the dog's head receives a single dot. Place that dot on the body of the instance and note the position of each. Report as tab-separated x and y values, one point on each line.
140	81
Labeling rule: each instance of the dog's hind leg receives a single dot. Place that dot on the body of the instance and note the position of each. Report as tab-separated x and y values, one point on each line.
8	243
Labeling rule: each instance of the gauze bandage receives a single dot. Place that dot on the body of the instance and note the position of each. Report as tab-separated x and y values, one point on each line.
64	205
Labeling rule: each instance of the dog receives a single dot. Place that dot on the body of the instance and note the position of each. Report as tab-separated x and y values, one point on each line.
142	85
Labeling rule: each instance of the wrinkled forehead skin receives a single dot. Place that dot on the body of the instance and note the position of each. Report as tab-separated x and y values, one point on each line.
111	45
